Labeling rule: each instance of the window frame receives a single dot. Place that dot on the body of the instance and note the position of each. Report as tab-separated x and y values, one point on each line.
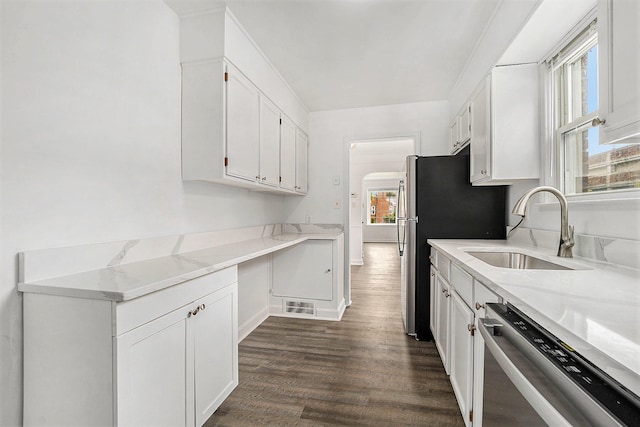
381	189
578	41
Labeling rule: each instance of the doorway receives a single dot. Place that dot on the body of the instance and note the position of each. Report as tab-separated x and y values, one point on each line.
375	169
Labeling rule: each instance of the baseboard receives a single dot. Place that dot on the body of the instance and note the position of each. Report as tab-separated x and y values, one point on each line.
247	327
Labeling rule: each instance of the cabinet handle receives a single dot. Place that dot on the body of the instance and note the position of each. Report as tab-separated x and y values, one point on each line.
444	290
257	176
598	121
264	178
202	307
193	312
431	257
447	294
479	306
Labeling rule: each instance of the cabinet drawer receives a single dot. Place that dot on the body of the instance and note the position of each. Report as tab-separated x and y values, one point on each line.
442	263
131	314
463	284
482	295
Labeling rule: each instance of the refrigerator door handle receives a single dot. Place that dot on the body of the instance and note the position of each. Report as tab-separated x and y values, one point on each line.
401	239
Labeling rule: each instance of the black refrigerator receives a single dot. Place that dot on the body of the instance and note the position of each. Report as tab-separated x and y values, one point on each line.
437	201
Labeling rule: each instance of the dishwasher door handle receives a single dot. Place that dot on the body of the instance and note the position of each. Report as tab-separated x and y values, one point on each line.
528	390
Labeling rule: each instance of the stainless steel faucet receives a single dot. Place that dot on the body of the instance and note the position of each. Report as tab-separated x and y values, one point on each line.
566	230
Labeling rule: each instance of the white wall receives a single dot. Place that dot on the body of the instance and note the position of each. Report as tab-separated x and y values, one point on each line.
506	22
614	218
90	144
329	132
329	136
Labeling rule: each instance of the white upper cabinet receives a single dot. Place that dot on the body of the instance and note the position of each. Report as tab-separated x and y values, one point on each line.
460	130
232	103
243	116
453	136
269	143
619	70
505	126
287	154
464	125
301	161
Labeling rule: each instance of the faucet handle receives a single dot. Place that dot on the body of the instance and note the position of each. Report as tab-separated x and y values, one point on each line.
570	242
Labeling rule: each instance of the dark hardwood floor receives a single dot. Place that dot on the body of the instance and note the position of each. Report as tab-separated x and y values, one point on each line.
361	371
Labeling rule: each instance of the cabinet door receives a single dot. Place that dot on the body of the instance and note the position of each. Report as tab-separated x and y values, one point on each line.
480	132
242	126
453	136
214	333
461	354
301	161
619	68
442	321
464	125
304	271
269	142
482	295
287	154
432	301
151	373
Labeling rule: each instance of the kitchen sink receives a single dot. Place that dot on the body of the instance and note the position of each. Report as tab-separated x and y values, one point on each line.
516	260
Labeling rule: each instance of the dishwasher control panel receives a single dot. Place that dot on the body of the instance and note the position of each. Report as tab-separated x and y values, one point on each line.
619	401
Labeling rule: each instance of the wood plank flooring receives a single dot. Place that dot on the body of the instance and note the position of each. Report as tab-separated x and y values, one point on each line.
361	371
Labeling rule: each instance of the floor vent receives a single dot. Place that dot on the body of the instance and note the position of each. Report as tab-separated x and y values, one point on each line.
300	307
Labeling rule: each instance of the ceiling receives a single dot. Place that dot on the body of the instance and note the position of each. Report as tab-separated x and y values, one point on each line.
339	54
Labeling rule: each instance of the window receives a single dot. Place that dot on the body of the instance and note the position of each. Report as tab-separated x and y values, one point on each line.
583	164
382	206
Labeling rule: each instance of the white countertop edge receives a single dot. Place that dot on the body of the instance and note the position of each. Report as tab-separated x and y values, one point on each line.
621	373
62	286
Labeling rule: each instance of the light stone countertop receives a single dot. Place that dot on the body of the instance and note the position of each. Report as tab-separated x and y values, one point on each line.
131	280
595	308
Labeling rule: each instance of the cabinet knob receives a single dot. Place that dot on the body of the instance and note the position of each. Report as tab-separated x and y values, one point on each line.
264	178
257	176
193	312
479	306
328	270
598	121
202	307
447	294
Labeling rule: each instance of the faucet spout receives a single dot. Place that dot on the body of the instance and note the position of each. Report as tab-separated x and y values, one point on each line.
566	231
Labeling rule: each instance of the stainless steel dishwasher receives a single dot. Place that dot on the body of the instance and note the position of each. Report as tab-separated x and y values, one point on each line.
531	378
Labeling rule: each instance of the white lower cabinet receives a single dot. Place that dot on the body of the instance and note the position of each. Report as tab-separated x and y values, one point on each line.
482	296
461	355
168	358
304	271
442	320
458	306
307	280
432	300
